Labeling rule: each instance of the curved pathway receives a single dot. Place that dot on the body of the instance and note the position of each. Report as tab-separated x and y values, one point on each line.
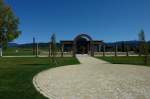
94	79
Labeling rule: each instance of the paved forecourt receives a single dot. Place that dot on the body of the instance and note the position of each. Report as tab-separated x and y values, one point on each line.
94	79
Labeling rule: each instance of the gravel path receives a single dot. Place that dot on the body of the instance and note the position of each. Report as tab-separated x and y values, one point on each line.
94	79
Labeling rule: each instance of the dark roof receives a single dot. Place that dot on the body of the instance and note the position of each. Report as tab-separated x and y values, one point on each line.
72	40
98	40
66	41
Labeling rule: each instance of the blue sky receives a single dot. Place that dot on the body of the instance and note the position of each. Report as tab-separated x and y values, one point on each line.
108	20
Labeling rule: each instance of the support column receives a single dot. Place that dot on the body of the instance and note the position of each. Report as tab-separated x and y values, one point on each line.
1	51
100	48
116	49
74	49
34	46
49	49
127	50
62	50
88	48
1	48
92	48
37	49
104	49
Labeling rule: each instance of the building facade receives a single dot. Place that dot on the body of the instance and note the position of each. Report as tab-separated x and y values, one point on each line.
82	44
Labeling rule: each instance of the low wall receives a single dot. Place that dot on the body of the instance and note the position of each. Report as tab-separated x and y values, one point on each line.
58	54
113	54
66	54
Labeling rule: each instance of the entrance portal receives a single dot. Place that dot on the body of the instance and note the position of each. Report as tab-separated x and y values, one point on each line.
82	46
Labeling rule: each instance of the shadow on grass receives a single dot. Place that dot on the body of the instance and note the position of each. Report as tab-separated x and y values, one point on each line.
34	64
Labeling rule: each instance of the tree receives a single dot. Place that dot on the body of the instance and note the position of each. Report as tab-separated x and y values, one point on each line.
9	29
142	36
143	46
141	42
53	48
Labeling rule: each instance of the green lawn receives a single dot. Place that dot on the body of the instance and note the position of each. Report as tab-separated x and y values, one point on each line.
18	52
135	60
16	75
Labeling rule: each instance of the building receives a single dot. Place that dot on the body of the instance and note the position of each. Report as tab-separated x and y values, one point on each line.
82	44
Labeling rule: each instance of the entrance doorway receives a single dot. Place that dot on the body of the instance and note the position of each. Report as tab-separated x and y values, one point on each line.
82	46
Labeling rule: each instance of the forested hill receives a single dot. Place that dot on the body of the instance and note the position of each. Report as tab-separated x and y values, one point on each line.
131	43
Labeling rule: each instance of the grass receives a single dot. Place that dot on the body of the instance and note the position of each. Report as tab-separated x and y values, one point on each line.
16	75
17	52
135	60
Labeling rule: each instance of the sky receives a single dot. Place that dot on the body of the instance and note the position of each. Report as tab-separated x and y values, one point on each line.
107	20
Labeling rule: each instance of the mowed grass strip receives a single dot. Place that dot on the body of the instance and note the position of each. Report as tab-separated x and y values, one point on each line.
16	75
135	60
17	52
